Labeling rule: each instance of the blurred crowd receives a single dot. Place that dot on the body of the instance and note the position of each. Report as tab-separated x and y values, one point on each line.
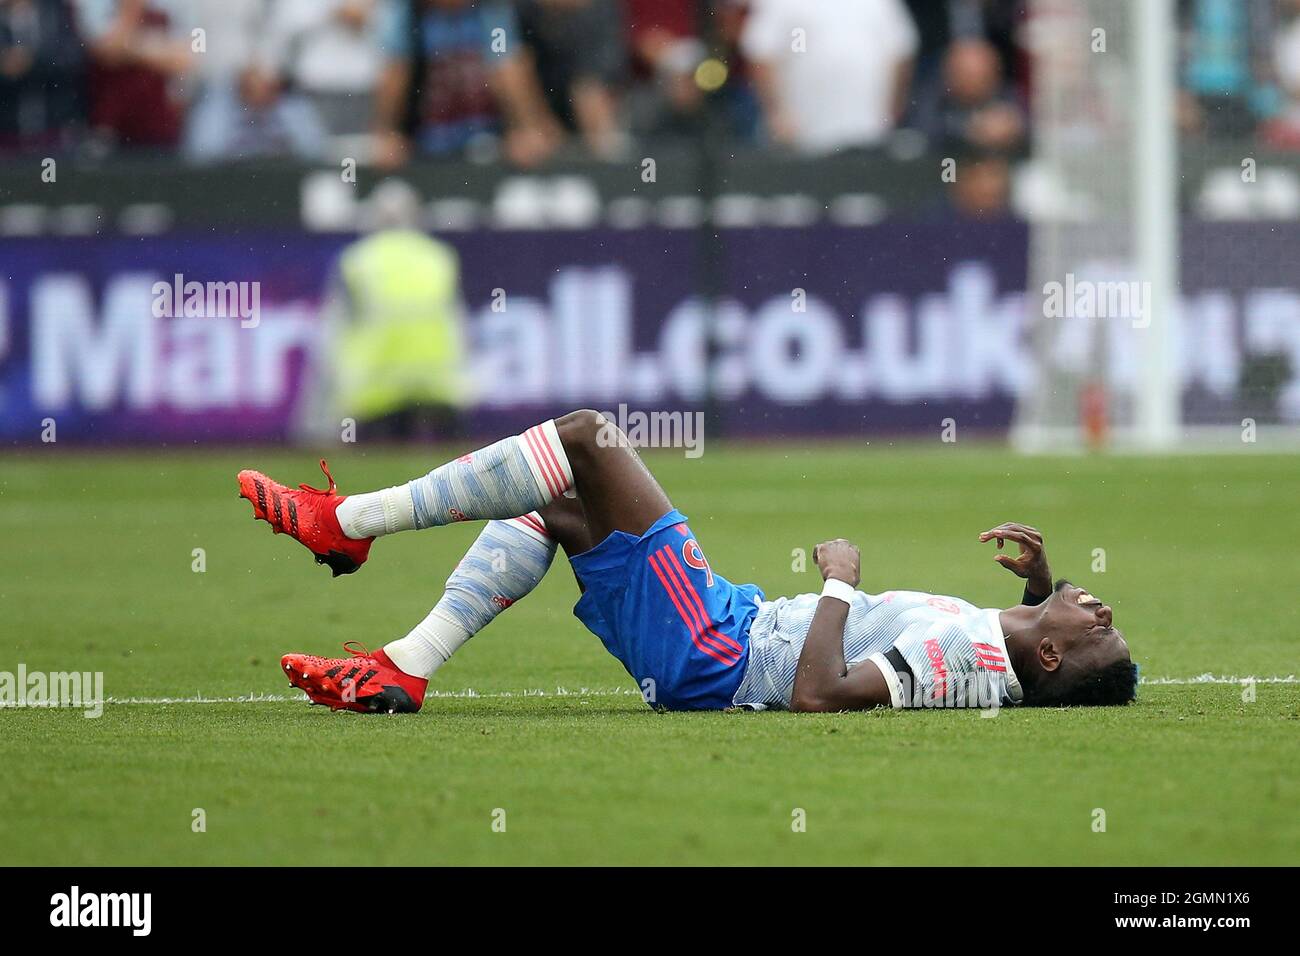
388	80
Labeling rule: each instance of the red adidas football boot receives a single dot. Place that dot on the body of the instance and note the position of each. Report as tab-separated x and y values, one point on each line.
367	683
306	514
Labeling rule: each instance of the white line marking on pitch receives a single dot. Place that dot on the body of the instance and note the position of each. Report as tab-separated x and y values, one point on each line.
469	692
1217	679
296	698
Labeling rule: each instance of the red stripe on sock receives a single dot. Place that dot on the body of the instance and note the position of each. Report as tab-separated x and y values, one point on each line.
541	463
535	458
533	523
548	461
554	459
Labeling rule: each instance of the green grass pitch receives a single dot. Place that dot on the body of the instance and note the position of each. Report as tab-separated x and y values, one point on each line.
96	574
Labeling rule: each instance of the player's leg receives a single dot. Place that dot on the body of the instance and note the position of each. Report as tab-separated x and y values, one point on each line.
648	591
509	558
501	567
581	450
514	476
506	561
616	489
504	564
566	522
510	477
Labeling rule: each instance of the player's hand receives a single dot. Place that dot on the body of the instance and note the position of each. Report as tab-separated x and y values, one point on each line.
839	559
1031	563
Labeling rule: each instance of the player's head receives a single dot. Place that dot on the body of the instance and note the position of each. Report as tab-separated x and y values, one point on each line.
1080	657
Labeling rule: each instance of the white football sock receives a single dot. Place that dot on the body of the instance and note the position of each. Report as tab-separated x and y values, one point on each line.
429	645
511	477
377	513
504	564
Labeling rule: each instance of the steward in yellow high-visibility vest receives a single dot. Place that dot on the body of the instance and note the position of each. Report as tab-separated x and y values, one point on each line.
401	344
392	351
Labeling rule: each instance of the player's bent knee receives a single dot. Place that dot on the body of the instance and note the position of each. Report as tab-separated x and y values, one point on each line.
586	431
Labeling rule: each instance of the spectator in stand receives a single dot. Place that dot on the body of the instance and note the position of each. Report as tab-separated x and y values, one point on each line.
137	50
577	46
40	74
1003	22
241	107
934	28
830	74
457	72
975	108
665	51
739	99
982	189
1226	74
328	51
940	24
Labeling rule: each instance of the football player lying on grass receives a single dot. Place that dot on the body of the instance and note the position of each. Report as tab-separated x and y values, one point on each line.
690	638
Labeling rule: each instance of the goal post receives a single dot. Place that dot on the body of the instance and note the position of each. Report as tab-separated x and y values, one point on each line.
1155	174
1102	298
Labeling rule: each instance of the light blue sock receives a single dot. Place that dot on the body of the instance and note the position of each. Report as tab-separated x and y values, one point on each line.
511	477
506	561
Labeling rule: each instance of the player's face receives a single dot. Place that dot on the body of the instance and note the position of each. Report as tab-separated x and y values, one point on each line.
1082	627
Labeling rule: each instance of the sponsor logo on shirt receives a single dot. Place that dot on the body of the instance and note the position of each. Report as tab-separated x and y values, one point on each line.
935	653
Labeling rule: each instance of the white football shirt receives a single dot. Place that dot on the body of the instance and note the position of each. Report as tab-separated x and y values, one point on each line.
953	654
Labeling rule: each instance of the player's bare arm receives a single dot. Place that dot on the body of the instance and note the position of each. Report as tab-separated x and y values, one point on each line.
823	681
1030	564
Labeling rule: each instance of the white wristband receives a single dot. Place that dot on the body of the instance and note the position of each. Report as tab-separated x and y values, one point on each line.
840	590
